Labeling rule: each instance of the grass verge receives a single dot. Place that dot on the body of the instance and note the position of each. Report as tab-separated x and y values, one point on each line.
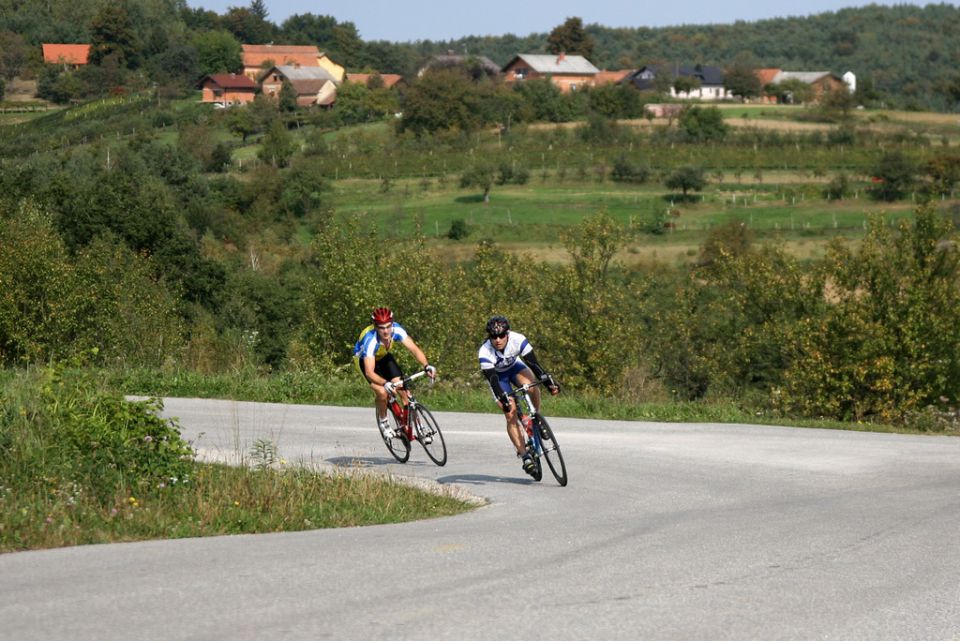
78	464
210	500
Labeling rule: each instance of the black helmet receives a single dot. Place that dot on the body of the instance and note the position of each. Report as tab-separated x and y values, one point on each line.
497	325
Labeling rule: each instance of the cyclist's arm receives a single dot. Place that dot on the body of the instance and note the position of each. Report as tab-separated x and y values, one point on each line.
368	363
494	381
531	361
415	350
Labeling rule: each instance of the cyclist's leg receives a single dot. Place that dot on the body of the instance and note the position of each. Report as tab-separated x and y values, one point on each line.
384	369
513	425
379	394
388	368
525	376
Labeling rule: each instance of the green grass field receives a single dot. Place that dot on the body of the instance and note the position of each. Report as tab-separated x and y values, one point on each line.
534	216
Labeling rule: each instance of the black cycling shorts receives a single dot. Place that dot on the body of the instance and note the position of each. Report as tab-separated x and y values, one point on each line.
386	367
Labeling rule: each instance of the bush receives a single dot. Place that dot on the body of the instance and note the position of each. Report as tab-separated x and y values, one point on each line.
839	187
624	171
458	230
60	426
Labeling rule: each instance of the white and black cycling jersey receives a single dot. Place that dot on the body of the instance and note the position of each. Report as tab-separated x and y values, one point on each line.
501	361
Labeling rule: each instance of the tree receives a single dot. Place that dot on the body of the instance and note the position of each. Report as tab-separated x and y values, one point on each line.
247	26
838	103
13	54
544	100
112	34
687	178
702	124
732	238
218	52
571	38
241	122
446	99
287	100
686	85
893	175
944	172
480	175
278	145
741	80
259	9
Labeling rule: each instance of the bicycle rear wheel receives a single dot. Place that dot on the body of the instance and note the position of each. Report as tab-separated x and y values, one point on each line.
427	429
398	445
551	450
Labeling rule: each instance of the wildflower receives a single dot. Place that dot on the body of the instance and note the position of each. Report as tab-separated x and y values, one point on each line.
236	503
147	438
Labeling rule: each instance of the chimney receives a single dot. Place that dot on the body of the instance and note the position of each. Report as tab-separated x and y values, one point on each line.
561	57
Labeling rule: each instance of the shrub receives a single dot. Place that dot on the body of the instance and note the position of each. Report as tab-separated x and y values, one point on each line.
458	230
60	424
625	171
838	188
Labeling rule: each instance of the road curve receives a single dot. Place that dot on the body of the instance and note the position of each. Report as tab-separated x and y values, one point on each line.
666	531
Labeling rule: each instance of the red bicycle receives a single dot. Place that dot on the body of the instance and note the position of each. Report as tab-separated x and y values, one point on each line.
412	422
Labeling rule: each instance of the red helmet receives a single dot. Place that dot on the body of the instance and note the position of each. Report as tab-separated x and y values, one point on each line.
382	315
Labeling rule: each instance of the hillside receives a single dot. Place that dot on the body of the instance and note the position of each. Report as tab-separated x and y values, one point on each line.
905	55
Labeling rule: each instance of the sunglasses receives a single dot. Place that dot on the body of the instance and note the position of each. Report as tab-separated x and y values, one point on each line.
501	335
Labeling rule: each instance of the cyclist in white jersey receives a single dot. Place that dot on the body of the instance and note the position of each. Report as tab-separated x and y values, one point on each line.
373	359
507	358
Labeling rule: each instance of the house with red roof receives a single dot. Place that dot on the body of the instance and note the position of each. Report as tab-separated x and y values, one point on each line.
227	89
68	55
569	73
259	58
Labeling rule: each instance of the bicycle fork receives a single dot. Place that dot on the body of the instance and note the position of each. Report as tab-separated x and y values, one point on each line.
533	436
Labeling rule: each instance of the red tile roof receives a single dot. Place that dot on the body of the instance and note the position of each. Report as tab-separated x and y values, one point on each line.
66	54
231	81
389	79
304	55
766	76
611	77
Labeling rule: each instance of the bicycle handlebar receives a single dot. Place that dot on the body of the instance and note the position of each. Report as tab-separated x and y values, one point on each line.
524	388
412	377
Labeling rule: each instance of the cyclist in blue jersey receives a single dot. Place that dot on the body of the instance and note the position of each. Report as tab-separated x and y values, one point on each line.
373	359
507	358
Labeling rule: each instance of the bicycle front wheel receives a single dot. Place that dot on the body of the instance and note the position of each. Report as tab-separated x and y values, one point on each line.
398	445
429	434
551	450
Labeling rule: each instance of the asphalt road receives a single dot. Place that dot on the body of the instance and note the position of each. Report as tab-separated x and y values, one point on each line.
666	531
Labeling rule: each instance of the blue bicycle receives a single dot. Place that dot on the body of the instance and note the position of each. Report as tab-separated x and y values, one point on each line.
541	440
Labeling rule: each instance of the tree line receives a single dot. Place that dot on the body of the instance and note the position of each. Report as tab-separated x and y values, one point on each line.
902	55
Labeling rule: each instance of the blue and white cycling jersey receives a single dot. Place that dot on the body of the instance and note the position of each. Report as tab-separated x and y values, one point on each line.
369	344
491	358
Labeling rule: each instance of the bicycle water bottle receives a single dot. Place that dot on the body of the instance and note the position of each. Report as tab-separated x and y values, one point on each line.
527	423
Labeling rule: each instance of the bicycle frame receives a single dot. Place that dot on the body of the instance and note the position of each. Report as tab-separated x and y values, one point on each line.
526	409
402	412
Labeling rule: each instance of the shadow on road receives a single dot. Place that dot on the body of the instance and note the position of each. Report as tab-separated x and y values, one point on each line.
369	461
483	479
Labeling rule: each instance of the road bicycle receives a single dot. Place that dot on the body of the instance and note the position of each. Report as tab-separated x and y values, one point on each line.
541	441
412	422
